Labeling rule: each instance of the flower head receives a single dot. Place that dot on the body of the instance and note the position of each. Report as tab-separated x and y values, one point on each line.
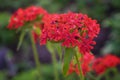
101	64
85	62
71	29
23	16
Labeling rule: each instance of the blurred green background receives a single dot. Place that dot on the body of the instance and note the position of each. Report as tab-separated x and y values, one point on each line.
19	65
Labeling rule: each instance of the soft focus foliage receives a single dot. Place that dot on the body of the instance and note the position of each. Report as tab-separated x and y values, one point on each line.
113	44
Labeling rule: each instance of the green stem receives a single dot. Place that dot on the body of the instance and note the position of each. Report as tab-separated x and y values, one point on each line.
22	35
51	48
107	74
36	57
55	66
79	67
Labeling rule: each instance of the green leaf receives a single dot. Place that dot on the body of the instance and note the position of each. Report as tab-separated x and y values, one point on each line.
21	39
79	55
69	53
58	49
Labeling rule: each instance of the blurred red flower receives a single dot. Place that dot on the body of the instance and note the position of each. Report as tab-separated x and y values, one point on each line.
85	62
101	64
23	16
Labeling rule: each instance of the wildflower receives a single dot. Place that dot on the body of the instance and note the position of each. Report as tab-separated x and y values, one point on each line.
100	65
71	29
85	62
24	16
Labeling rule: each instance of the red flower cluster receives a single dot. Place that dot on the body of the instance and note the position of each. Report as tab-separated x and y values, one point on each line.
22	16
104	63
72	29
85	64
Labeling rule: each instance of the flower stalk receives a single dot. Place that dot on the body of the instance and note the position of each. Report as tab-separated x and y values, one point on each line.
79	67
55	66
36	57
51	48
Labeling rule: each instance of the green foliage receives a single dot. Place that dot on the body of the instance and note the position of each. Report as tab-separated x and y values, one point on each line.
46	70
14	4
113	45
54	48
30	75
6	36
116	77
2	75
69	53
116	3
47	4
4	17
73	76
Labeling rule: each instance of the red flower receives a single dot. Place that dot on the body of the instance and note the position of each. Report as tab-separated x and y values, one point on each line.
85	64
22	16
111	61
70	39
33	12
71	69
72	29
16	19
100	65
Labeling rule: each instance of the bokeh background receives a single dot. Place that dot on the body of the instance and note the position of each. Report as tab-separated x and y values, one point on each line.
19	65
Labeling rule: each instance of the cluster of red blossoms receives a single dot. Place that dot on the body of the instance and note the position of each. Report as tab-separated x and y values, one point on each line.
71	29
101	64
23	16
85	64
